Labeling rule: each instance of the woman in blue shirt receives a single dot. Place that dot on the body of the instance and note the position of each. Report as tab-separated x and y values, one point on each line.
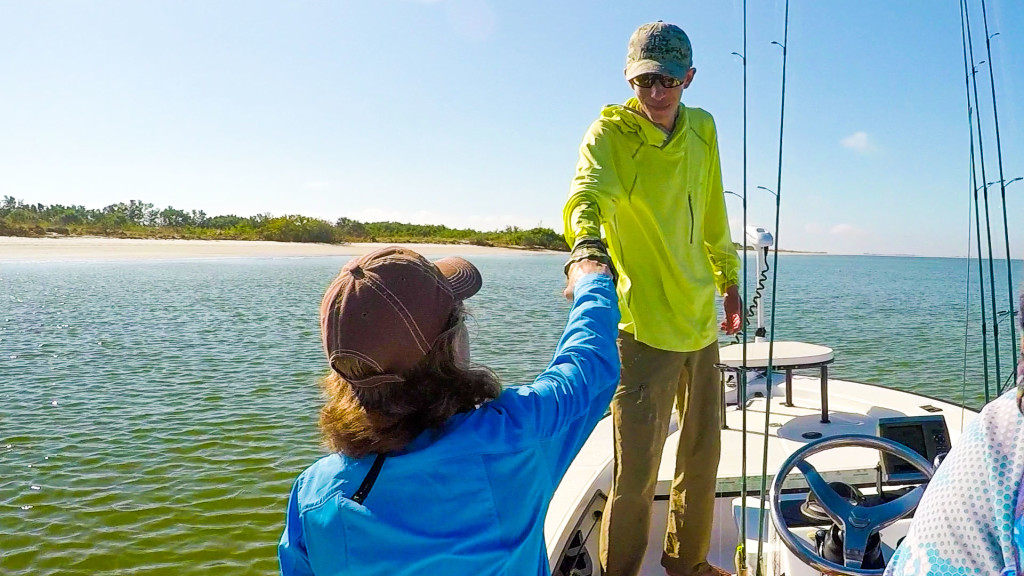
435	469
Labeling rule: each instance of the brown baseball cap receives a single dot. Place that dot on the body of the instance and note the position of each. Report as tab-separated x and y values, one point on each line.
387	309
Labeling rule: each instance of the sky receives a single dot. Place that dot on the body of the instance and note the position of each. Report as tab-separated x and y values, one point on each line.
469	113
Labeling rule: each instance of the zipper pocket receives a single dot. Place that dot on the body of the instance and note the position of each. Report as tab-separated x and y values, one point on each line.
640	391
689	200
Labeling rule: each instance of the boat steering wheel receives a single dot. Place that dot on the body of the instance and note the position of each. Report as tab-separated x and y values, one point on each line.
858	522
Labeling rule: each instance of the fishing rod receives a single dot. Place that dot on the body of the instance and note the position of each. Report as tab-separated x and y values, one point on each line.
984	186
974	190
775	283
981	269
967	310
1002	186
741	384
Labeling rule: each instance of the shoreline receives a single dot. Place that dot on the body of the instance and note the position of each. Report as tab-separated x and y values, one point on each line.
89	248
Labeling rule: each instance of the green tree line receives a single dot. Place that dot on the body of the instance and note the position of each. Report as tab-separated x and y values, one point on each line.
137	219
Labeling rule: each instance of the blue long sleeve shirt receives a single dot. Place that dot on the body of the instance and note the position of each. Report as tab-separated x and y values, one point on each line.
471	500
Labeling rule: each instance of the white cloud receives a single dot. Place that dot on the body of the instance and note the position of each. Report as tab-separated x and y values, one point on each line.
317	185
472	19
847	230
857	141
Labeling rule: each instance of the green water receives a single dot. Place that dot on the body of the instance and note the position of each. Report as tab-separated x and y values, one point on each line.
154	415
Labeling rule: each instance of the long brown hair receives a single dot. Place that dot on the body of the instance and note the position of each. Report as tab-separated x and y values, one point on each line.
357	421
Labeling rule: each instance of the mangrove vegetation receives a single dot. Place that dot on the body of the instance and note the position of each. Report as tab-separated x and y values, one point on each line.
137	219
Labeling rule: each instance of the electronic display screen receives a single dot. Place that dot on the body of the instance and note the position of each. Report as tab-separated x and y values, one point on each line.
911	436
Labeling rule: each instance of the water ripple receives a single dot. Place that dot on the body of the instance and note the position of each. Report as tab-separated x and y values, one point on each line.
154	415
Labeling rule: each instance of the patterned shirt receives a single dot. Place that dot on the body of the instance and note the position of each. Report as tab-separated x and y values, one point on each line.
969	521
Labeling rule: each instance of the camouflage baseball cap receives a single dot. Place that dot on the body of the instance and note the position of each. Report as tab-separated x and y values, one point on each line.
659	48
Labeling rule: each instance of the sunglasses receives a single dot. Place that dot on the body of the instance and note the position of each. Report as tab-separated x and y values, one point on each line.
648	80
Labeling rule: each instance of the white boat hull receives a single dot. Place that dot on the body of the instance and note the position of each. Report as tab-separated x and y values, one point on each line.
853	408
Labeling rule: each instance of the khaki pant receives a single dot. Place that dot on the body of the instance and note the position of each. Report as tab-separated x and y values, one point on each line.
652	380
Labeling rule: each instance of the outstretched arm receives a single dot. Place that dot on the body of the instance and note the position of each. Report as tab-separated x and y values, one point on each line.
559	410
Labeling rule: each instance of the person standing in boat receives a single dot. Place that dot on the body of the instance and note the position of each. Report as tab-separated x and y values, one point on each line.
649	177
435	469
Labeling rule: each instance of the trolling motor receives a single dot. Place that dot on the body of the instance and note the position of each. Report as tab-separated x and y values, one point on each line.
761	240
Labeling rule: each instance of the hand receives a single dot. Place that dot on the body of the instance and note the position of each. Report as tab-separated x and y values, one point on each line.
580	269
733	322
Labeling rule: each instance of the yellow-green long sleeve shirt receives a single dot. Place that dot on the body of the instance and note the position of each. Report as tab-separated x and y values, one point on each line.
658	198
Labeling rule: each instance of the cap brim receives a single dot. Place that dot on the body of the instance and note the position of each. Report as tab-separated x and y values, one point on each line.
639	67
464	278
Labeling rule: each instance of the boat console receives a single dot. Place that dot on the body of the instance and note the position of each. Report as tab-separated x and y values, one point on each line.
926	435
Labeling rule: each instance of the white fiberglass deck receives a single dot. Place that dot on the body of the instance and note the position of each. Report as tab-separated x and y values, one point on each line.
854	408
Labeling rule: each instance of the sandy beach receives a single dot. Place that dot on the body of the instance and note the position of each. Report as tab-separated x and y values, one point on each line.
84	248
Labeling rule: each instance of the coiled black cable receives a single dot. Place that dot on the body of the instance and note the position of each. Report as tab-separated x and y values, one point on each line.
751	311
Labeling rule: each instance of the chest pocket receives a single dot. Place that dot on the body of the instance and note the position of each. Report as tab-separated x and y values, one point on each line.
696	160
